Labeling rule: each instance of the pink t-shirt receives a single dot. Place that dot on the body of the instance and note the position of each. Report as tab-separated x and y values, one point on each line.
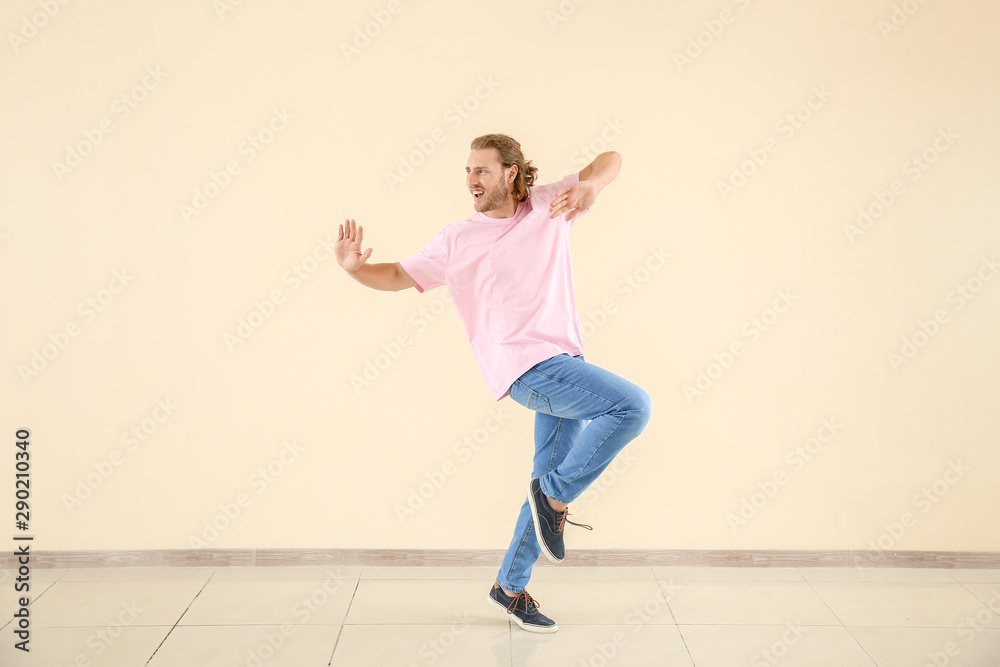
511	280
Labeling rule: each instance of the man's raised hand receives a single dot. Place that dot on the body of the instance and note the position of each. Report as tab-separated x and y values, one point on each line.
348	246
573	200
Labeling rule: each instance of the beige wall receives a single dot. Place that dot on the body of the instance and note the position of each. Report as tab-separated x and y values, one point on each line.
815	306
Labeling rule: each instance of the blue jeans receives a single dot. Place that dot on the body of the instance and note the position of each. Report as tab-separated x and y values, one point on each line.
566	392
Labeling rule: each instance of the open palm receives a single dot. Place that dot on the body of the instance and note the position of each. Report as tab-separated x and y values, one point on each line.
348	246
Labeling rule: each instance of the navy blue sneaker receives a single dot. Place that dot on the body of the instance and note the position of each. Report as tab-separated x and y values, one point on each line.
549	523
523	609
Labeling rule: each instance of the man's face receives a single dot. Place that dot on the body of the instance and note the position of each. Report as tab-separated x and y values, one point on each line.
488	181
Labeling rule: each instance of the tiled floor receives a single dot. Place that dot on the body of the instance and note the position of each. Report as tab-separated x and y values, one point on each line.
615	617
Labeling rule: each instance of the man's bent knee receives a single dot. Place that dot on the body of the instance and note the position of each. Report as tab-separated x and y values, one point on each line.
642	408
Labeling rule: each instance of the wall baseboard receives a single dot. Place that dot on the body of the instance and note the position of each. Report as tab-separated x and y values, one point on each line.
493	557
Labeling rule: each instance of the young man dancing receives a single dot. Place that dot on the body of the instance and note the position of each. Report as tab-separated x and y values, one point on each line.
510	275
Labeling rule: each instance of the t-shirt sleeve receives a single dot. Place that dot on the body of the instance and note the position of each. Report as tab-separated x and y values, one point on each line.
427	267
542	195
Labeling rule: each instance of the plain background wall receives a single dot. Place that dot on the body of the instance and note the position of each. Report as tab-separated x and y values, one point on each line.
419	455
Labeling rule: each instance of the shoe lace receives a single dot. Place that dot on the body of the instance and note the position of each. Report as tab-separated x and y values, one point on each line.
530	604
562	521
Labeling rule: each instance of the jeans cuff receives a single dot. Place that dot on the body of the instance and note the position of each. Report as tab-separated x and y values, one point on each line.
508	587
541	483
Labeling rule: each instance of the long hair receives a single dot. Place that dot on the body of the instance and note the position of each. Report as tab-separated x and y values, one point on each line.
510	154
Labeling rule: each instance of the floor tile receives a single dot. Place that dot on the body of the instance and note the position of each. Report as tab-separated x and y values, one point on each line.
270	645
792	645
421	615
271	602
103	603
749	603
94	647
593	574
9	598
727	574
876	575
381	602
899	605
617	645
989	595
457	644
9	603
981	576
37	574
323	572
603	602
416	573
930	647
201	574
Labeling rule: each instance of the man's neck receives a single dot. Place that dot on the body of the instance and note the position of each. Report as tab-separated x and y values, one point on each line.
507	211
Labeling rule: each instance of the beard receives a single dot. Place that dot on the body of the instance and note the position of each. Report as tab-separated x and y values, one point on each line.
493	199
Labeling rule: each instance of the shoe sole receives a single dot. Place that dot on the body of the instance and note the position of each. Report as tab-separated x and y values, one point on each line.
543	629
538	529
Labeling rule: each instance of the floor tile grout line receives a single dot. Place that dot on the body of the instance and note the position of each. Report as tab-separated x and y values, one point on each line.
673	617
814	585
445	624
842	624
510	642
51	585
343	623
186	609
964	586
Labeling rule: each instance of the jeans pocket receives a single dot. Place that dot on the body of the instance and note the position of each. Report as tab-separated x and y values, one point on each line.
529	398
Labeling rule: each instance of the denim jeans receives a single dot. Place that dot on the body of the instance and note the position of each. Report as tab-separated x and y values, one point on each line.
566	392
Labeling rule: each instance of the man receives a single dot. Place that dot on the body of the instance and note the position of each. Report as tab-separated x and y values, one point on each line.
510	275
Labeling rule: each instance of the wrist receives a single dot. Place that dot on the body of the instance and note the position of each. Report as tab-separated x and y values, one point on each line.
595	184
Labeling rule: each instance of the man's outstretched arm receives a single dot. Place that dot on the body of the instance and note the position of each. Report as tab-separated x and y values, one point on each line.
389	277
580	196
